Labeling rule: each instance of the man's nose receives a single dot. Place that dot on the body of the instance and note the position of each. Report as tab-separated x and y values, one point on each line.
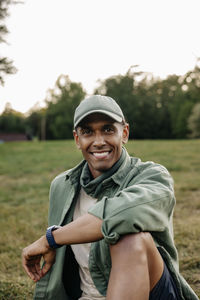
99	140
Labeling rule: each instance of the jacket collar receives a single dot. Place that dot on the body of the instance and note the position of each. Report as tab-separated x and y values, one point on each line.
74	174
123	170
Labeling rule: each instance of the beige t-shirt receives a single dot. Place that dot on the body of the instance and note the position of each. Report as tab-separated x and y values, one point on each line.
81	251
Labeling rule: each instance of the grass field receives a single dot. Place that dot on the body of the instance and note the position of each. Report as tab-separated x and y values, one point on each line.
26	170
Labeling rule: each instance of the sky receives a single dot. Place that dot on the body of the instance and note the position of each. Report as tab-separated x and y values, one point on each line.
90	40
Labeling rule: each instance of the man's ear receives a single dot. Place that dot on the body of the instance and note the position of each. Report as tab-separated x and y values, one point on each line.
125	133
76	138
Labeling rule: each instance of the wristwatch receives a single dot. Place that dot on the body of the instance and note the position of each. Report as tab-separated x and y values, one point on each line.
50	237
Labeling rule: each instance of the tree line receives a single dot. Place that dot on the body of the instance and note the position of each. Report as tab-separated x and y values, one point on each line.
155	108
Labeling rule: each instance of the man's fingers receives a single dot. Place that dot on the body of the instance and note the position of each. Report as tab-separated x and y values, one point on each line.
33	269
31	258
38	268
30	270
32	266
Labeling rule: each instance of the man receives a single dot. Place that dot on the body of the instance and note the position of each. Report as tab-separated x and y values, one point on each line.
115	212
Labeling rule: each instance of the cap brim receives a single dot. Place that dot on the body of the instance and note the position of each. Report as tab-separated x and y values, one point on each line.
115	117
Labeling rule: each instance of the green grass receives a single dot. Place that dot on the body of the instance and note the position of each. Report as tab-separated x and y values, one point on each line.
26	170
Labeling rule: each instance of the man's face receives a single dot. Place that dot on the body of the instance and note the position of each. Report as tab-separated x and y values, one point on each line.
100	139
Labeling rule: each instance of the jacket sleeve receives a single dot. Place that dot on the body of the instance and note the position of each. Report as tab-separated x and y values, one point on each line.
146	204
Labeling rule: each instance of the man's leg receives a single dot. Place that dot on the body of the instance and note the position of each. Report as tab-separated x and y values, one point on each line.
136	267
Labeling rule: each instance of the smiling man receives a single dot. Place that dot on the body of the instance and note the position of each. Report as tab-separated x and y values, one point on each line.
115	237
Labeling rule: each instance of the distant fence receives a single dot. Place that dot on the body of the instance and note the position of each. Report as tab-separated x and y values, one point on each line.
11	137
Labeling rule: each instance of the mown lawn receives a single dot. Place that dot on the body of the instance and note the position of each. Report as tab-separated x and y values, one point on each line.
26	170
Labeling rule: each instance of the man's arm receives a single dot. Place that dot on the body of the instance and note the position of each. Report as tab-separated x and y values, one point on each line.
146	204
85	229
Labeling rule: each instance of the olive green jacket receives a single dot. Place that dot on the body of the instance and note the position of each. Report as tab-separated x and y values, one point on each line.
137	197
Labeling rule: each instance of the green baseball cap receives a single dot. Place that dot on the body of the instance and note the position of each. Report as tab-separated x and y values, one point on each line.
98	104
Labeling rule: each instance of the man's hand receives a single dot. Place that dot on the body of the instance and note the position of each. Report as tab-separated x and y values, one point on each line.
32	255
86	229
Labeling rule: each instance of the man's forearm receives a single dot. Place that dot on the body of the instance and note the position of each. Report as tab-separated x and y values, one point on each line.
85	229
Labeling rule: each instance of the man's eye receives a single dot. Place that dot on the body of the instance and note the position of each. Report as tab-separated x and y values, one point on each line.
108	129
86	131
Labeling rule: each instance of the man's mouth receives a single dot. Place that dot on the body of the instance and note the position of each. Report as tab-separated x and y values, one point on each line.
101	155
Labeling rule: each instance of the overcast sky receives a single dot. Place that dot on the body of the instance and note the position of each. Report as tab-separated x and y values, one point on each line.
94	39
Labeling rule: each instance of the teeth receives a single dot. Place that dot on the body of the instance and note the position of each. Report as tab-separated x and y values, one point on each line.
100	155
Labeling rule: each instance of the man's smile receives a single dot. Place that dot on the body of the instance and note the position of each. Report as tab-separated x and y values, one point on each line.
101	155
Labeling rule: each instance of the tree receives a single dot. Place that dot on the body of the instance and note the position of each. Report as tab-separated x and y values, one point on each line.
6	65
12	121
194	122
136	93
184	94
181	121
61	103
191	83
35	123
153	118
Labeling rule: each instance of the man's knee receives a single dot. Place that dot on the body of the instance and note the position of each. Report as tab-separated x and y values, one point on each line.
137	253
136	245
